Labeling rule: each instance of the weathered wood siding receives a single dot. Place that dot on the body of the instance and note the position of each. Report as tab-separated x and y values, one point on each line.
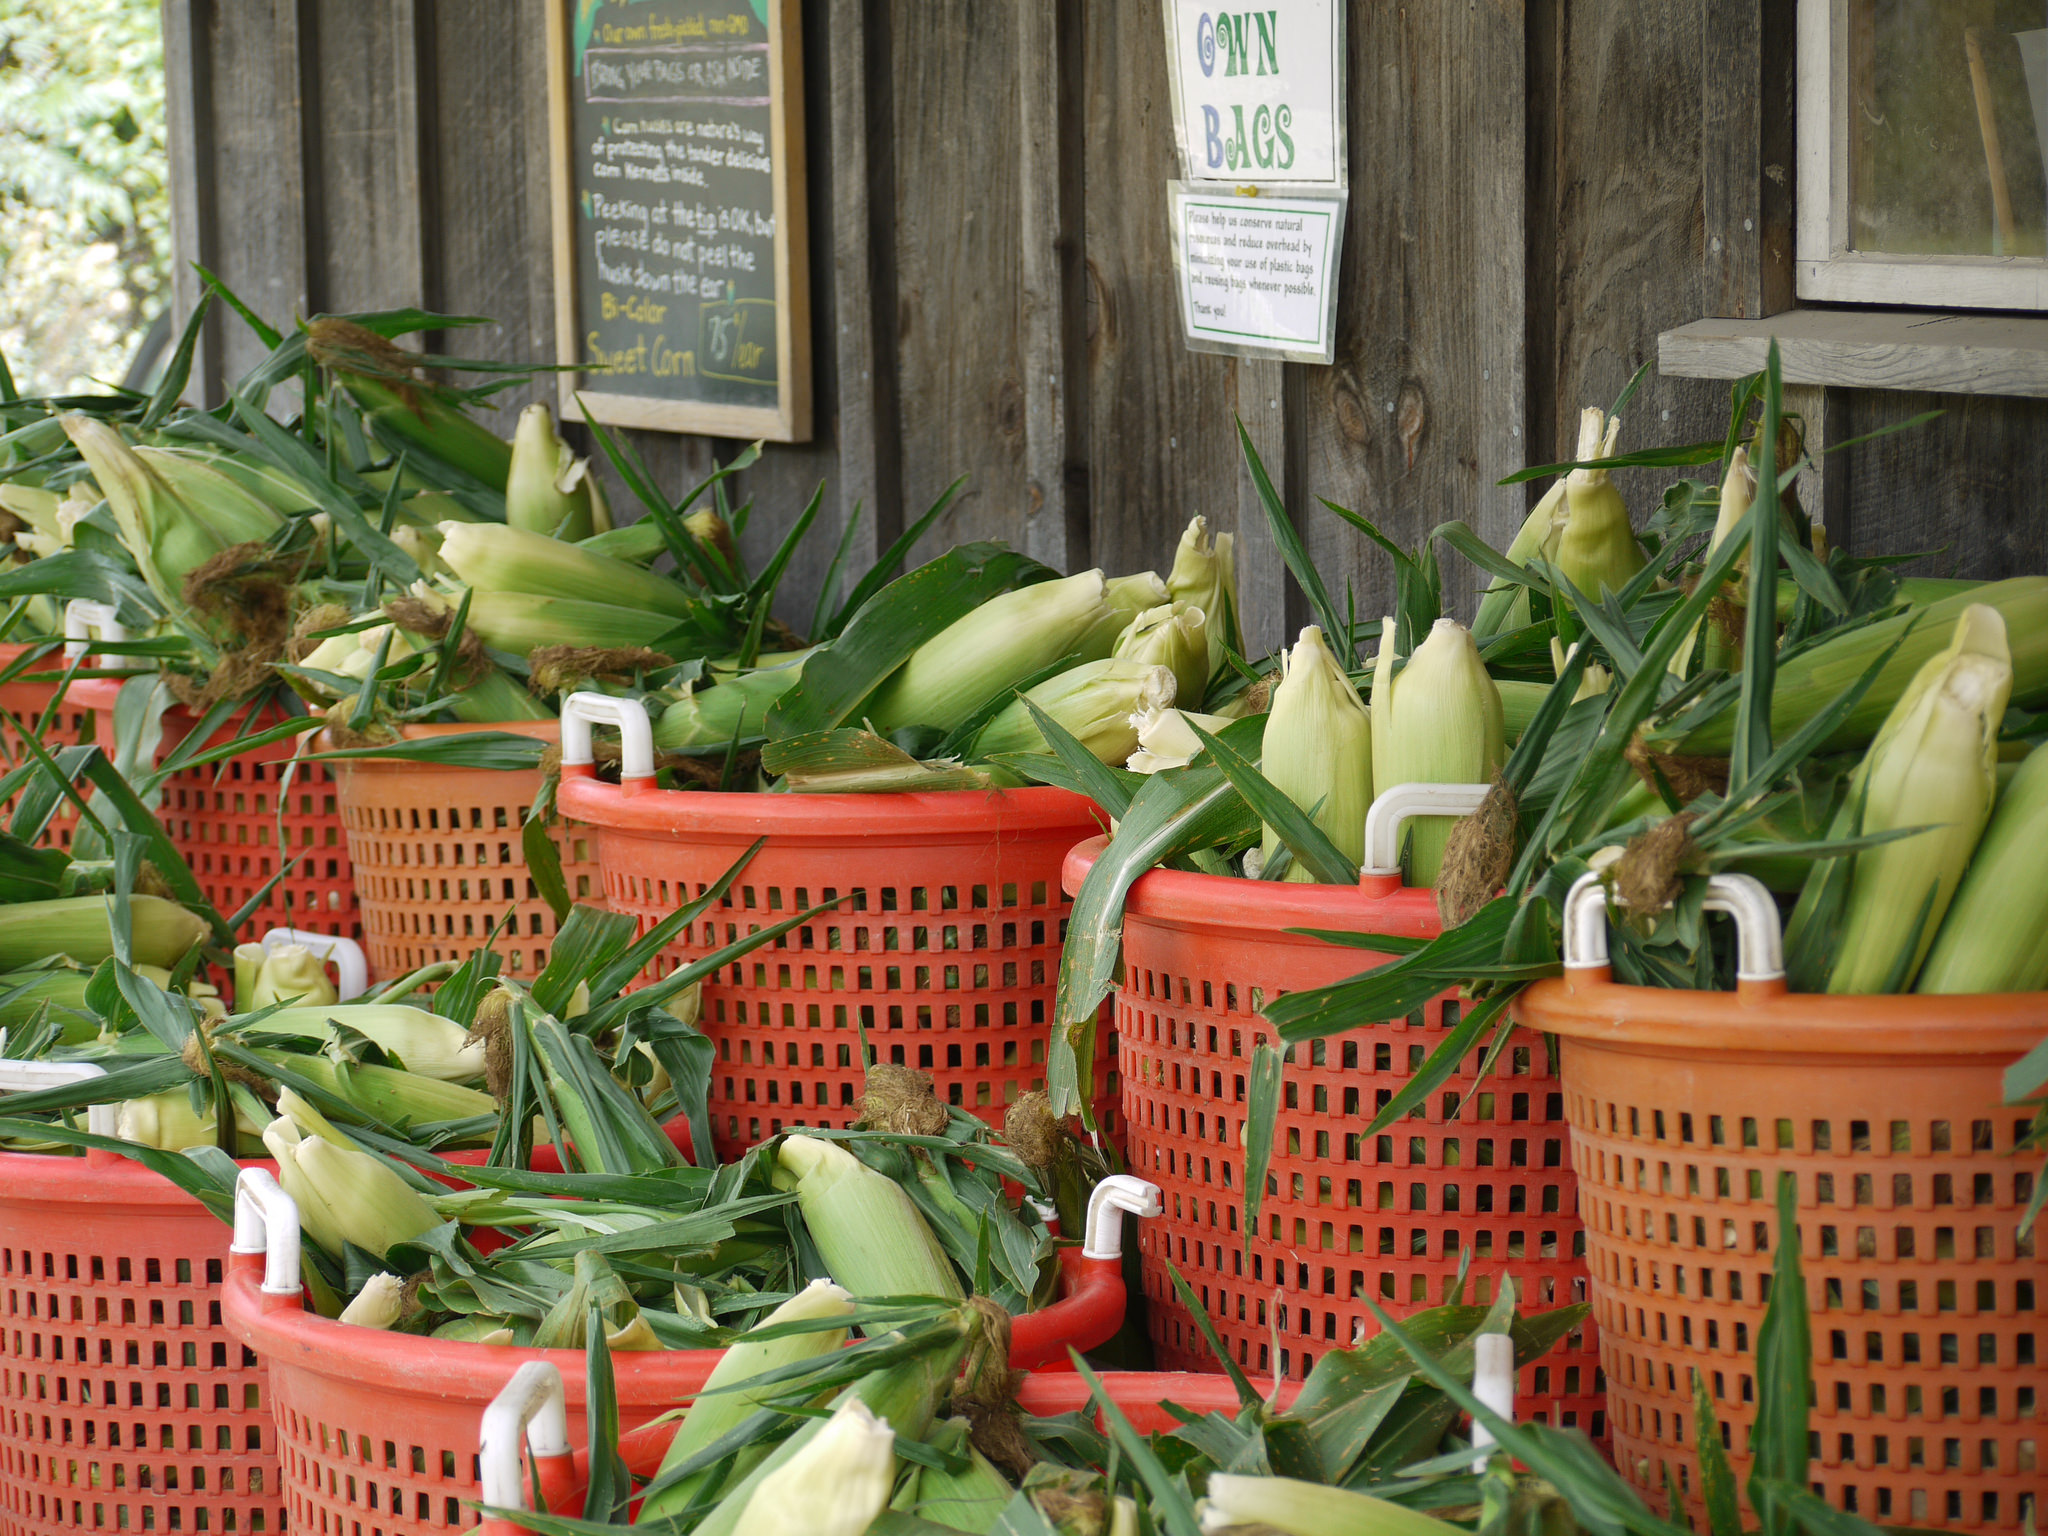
1538	188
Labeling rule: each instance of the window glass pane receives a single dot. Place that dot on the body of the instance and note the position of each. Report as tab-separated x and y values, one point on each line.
1948	112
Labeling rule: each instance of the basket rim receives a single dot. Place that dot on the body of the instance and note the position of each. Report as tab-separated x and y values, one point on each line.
534	730
1189	898
922	814
1760	1023
58	1178
284	1334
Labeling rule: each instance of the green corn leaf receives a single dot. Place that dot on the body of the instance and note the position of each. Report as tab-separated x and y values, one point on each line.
1784	1359
883	571
1717	1478
1294	826
1262	1108
1292	551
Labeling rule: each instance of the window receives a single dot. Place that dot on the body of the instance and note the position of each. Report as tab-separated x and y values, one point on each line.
1921	130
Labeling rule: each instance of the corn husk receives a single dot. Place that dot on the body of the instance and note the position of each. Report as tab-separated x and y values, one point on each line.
547	487
1590	540
167	1121
1318	748
1934	764
1995	936
291	973
1437	721
1175	636
495	557
344	1195
1204	576
1094	703
833	1486
707	718
522	622
998	645
1164	740
872	1238
1298	1508
426	1043
379	1304
81	927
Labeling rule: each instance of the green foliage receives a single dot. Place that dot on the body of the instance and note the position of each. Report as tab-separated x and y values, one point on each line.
85	234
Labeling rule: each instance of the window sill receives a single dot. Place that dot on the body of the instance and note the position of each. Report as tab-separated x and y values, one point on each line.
1961	354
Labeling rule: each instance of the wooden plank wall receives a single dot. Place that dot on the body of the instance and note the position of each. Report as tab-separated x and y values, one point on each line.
1538	188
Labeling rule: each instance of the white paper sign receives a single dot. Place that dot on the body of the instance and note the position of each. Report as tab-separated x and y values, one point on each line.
1258	275
1258	94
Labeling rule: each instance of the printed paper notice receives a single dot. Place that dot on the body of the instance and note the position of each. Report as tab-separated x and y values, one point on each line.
1258	274
1259	93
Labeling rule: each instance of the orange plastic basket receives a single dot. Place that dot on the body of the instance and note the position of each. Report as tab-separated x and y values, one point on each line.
944	953
378	1432
125	1405
34	706
1347	1218
439	860
237	821
1926	1304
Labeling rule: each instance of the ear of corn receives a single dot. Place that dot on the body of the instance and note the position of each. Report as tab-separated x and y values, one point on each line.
1503	606
167	541
999	644
391	1094
290	973
379	1304
717	1412
81	927
1204	575
1437	721
972	1499
497	557
344	1195
638	542
1307	1509
1995	937
547	488
1318	748
1810	681
167	1121
834	1485
1129	596
427	1044
1592	543
383	379
1933	765
521	622
871	1237
707	718
1094	703
1175	636
235	514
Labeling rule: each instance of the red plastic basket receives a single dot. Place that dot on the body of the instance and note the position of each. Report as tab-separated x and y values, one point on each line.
531	1410
35	706
439	860
944	953
1926	1303
237	821
1346	1218
125	1405
379	1431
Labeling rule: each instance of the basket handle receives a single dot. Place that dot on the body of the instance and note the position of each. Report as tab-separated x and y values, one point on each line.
1107	1203
267	1222
1390	812
636	736
27	1076
81	617
1493	1383
530	1410
1760	947
353	971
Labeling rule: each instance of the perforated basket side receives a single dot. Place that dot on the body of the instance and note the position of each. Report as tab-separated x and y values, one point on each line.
124	1403
1344	1219
943	951
439	859
34	708
239	821
1925	1301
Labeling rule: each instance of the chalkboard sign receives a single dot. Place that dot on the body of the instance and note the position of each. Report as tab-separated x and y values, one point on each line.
681	286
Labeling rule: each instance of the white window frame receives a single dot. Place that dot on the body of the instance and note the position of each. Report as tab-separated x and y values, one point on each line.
1827	270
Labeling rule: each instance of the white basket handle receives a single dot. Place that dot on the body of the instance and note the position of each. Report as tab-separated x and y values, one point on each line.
636	736
1107	1203
1493	1383
267	1222
530	1409
1760	947
1391	810
352	970
29	1076
81	617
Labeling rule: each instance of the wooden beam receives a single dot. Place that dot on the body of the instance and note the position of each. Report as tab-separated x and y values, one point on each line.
1964	354
188	70
864	270
1053	318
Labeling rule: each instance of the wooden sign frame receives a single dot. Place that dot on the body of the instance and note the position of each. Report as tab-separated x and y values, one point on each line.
789	419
